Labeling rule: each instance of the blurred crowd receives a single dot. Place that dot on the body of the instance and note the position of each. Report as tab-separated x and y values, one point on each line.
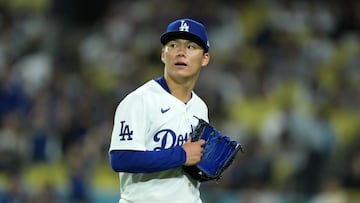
284	80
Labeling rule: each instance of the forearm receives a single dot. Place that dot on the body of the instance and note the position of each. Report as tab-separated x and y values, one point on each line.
146	161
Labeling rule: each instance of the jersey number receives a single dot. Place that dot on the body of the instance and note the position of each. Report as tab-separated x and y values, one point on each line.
125	131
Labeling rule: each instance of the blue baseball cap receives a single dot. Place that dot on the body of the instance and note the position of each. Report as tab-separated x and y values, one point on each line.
186	29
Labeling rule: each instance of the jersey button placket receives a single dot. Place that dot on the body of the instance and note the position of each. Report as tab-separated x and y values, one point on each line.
186	117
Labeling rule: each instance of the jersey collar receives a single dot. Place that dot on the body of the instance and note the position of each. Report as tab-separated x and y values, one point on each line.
163	84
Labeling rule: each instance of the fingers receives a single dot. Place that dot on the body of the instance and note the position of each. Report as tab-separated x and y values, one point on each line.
194	151
201	142
189	139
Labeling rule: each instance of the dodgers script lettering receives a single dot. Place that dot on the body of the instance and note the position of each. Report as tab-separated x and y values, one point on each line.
168	139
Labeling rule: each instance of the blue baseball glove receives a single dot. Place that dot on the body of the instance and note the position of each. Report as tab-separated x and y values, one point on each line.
219	153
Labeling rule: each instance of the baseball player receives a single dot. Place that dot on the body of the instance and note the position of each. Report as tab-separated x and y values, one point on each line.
150	140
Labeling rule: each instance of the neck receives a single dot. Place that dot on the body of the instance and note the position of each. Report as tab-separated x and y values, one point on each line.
181	89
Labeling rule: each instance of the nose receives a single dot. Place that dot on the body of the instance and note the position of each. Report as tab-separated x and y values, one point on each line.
181	50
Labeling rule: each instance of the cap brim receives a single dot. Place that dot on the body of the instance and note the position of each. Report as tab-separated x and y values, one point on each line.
166	37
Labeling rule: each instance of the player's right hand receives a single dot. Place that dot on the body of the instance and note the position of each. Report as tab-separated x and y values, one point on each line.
194	151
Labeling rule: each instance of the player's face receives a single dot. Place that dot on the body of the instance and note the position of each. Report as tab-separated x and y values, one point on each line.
183	58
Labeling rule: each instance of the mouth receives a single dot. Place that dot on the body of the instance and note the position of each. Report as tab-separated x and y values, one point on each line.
180	64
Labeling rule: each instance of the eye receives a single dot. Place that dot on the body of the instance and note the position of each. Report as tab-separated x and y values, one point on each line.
172	45
193	46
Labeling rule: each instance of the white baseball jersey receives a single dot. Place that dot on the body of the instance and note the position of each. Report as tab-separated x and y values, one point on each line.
150	118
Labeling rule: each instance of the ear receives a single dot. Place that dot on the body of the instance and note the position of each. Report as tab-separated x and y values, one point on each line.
206	59
162	55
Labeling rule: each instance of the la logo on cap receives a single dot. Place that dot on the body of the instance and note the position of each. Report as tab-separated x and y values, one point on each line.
180	29
184	26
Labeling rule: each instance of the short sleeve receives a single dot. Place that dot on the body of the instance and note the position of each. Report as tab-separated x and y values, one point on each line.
129	124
